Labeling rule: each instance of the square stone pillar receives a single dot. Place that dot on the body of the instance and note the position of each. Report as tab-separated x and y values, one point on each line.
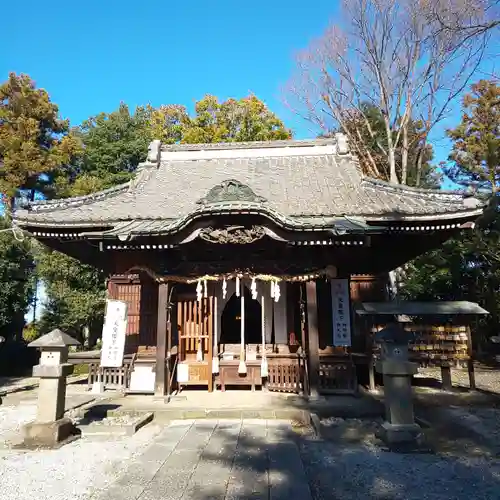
399	429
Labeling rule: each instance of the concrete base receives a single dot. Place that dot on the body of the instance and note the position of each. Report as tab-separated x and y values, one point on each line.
110	429
401	436
97	388
48	434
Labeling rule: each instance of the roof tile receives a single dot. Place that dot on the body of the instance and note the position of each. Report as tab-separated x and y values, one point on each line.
300	182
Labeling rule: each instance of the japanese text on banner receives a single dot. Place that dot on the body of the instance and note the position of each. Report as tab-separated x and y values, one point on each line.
341	309
113	334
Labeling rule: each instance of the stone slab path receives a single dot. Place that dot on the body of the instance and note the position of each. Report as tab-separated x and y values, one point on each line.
216	460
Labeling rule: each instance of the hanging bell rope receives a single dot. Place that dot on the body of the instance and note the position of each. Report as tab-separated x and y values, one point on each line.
237	286
198	291
215	356
205	289
224	289
242	367
277	292
264	370
253	289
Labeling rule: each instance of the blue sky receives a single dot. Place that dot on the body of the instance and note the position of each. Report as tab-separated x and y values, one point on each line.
91	55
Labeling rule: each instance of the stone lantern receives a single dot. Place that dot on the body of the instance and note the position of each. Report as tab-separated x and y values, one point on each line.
50	426
399	427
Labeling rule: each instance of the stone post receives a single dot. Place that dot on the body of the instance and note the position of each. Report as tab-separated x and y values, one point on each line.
50	426
399	427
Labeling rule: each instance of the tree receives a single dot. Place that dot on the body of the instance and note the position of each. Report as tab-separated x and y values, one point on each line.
472	18
476	141
469	267
393	55
114	144
16	281
33	139
75	294
244	120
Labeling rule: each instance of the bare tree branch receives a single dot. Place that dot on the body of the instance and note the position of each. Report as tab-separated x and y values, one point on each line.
408	58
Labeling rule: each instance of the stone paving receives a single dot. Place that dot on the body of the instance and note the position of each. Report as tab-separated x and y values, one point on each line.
210	459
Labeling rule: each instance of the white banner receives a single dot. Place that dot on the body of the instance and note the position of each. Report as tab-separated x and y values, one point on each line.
341	312
113	334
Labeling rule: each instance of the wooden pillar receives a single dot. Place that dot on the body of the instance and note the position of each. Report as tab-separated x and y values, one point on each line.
290	312
312	338
470	362
162	377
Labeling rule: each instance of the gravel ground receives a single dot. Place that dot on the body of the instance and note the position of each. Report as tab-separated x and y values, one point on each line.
13	417
487	380
73	472
365	471
350	465
482	421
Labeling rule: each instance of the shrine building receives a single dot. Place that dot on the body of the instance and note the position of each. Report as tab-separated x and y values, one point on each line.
240	263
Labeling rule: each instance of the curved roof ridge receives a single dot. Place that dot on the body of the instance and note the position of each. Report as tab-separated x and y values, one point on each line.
58	203
443	193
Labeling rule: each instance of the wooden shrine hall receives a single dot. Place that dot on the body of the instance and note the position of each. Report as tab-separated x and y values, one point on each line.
240	262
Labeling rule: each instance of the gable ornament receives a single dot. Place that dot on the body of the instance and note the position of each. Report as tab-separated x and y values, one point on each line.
229	191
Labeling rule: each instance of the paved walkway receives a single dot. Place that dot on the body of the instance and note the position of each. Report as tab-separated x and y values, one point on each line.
210	459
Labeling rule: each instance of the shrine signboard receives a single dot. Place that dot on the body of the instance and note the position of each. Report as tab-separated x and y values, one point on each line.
113	334
341	310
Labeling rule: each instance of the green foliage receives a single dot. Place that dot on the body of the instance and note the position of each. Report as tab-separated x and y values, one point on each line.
468	268
75	294
114	144
476	148
234	120
31	332
33	139
16	282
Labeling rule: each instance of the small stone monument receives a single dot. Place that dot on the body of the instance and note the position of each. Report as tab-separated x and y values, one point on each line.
51	427
399	428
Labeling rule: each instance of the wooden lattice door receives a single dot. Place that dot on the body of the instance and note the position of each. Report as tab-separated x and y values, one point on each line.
195	321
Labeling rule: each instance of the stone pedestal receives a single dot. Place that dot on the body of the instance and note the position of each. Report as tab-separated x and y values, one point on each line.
47	434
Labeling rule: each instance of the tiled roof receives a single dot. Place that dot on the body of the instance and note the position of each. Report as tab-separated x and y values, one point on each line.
291	181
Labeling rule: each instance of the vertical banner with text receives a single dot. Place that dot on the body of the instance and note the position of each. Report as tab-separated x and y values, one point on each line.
341	312
113	334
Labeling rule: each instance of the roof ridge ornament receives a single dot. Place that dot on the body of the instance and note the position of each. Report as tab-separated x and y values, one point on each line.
228	191
154	152
342	145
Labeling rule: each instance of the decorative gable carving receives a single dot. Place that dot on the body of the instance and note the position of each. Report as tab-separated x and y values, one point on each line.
229	191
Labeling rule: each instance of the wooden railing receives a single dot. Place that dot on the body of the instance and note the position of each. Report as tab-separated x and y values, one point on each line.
285	374
112	378
337	375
